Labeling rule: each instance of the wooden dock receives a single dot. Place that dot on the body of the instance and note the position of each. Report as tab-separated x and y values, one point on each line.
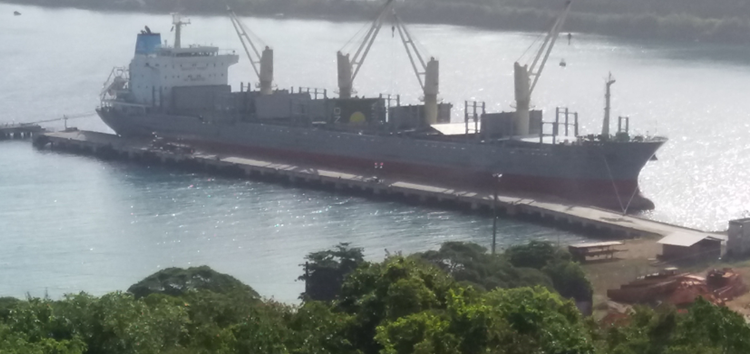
19	131
599	221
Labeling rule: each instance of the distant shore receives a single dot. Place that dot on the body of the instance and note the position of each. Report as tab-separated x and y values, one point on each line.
674	27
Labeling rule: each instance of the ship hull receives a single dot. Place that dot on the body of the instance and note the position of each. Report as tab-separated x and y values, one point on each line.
604	174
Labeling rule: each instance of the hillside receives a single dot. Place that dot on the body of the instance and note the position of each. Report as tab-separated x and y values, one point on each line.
680	20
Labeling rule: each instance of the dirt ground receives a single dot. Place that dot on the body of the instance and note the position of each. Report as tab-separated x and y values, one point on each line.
639	258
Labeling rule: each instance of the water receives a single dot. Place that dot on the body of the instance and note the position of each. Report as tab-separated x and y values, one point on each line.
73	223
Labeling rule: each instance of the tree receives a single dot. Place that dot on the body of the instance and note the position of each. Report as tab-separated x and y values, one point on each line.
470	264
524	320
324	271
6	305
710	326
387	291
535	254
568	278
178	281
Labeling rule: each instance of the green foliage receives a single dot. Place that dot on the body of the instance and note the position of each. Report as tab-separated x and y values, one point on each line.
398	306
178	281
15	342
502	321
470	264
568	278
540	321
713	327
536	263
6	305
319	329
535	254
324	271
386	291
420	333
705	328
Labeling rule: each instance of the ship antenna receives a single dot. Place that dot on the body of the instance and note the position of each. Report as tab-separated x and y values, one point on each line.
607	97
178	23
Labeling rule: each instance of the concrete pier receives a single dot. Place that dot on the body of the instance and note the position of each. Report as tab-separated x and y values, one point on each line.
548	211
19	131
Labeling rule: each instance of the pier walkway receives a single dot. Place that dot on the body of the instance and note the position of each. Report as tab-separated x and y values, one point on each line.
560	213
19	131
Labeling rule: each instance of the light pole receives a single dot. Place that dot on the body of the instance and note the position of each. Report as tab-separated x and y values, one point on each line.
495	182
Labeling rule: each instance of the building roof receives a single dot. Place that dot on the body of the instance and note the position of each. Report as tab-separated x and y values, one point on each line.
740	221
452	128
596	244
689	239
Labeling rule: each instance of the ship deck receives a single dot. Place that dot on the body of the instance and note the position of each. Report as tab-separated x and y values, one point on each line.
601	222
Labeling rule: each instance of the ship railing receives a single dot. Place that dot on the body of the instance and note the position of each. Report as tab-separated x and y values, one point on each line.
227	52
600	139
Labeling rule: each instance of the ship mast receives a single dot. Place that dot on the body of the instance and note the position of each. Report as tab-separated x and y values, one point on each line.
178	23
522	74
607	96
264	66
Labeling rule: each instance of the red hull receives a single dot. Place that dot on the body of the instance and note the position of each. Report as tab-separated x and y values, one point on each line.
600	193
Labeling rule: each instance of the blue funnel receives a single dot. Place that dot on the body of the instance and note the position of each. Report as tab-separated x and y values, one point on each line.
147	43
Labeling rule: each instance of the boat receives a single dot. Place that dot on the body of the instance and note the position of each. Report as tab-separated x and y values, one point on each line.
181	93
16	13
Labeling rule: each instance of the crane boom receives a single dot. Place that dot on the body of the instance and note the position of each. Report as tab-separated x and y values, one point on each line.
551	39
523	85
263	66
409	45
427	73
428	77
349	68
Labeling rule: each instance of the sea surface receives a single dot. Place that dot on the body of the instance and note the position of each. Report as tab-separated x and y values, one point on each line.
71	223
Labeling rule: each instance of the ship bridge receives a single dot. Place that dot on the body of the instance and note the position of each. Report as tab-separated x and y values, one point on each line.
192	51
158	73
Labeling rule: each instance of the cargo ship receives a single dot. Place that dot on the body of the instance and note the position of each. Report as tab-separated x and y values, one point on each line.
182	93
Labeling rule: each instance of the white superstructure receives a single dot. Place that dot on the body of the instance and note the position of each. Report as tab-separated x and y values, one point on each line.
153	76
157	69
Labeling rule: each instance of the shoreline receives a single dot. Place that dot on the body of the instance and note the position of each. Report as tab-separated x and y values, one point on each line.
679	29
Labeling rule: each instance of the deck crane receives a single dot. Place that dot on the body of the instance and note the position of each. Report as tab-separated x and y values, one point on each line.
523	85
428	77
264	66
430	84
348	68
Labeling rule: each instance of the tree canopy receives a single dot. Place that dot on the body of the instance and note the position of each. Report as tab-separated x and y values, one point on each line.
532	264
178	281
401	305
324	271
